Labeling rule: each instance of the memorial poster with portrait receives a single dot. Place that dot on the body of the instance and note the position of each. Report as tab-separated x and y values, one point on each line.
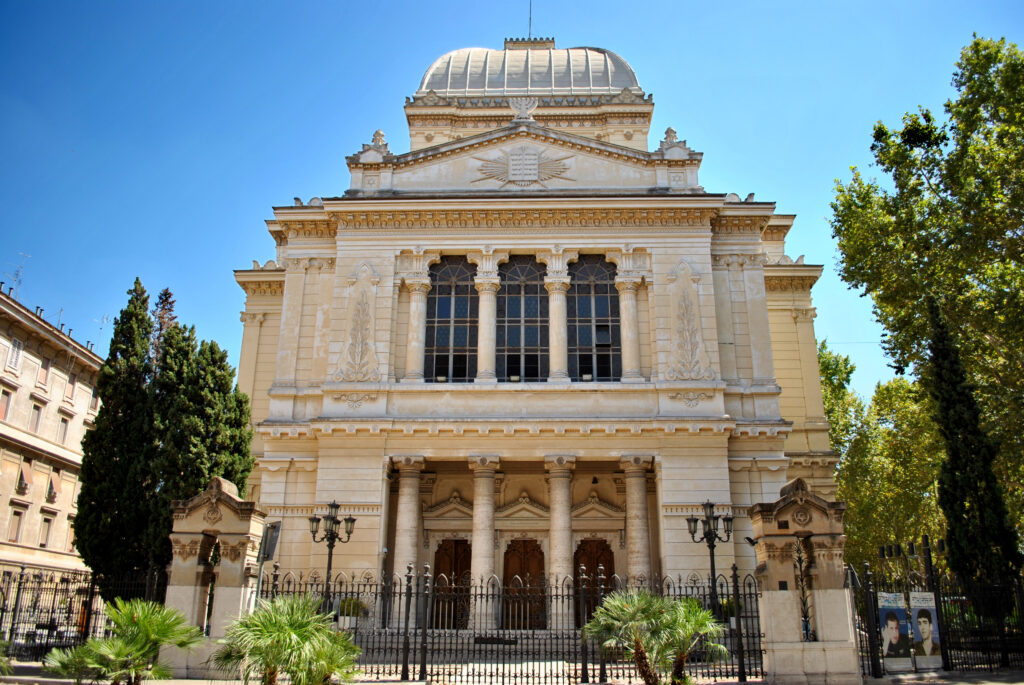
924	621
892	619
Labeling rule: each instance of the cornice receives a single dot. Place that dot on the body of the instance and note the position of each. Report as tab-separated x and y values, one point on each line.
791	277
739	224
261	282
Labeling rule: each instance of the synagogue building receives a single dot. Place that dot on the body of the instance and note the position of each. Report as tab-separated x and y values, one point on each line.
530	342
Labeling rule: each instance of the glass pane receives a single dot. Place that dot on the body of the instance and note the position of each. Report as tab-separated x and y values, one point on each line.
583	308
443	337
460	337
462	308
585	337
532	307
444	308
604	367
602	334
512	364
514	308
601	306
513	336
532	338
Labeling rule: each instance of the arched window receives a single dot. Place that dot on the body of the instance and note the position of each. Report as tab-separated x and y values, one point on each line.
521	349
450	351
595	348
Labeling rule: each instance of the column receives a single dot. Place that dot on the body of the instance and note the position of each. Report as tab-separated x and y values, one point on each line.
417	333
638	541
757	320
629	327
487	287
560	550
322	329
482	559
558	334
250	350
407	516
556	282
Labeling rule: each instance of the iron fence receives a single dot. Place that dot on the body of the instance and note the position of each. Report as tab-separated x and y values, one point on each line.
973	628
41	608
451	631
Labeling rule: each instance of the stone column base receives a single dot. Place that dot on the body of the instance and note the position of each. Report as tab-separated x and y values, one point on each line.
812	663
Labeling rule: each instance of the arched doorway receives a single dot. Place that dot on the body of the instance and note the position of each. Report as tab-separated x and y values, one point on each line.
451	585
591	554
524	605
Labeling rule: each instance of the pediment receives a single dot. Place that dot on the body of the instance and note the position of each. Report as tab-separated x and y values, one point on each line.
516	158
596	508
217	508
523	508
454	508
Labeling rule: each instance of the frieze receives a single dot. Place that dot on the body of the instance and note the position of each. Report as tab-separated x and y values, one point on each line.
263	287
739	224
354	400
184	550
789	283
306	229
690	399
523	218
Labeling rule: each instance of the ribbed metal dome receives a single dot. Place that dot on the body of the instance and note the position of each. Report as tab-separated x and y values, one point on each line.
480	72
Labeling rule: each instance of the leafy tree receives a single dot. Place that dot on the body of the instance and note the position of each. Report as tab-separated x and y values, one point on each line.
201	425
843	408
888	475
689	628
113	506
949	224
982	545
287	636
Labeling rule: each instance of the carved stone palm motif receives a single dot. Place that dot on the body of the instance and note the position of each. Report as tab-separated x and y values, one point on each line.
359	357
689	359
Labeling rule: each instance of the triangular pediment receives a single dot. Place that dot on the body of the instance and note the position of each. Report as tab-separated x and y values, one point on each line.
522	508
596	508
453	508
519	157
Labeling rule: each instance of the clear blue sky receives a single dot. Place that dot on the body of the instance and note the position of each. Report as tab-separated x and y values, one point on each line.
151	138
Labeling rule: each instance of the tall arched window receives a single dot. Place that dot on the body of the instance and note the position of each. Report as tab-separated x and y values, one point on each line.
450	351
521	349
595	348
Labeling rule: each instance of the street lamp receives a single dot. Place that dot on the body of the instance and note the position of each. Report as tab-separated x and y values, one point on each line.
332	536
710	536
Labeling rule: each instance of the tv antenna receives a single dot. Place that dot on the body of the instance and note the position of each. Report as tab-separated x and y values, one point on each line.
529	26
102	321
19	273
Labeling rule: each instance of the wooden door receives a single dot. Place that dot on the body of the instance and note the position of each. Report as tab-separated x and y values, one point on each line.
451	584
525	596
591	554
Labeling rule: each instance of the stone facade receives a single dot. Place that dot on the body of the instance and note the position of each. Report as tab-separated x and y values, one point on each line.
47	402
529	333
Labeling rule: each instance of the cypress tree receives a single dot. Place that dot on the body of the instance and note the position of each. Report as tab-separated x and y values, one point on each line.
116	485
983	548
202	428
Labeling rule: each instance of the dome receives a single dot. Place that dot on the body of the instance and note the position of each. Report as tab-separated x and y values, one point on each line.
481	72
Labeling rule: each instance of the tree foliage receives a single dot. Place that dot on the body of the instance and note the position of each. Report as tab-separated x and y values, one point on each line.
948	225
113	507
889	458
170	419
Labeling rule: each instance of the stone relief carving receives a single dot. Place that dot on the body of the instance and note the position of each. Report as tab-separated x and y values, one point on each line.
523	107
523	166
690	399
689	359
359	362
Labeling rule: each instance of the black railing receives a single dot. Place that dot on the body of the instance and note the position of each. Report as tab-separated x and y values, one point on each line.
448	630
41	609
973	628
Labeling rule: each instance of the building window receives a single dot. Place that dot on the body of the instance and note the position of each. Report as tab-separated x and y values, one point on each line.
5	404
521	347
69	389
94	401
62	430
43	376
71	534
450	352
14	357
14	526
53	486
35	418
44	531
24	477
595	352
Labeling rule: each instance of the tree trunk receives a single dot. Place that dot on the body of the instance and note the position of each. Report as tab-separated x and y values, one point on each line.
679	669
643	664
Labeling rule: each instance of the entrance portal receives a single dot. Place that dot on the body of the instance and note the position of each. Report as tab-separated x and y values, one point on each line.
451	584
524	605
592	553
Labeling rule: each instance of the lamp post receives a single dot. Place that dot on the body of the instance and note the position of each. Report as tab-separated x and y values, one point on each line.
711	536
332	536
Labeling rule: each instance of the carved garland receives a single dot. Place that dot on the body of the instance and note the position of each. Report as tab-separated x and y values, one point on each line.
523	218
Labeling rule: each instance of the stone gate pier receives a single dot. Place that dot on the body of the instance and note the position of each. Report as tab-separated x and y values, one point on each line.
806	613
211	597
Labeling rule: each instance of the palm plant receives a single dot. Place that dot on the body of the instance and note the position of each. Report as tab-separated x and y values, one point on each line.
632	620
131	654
689	627
288	635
